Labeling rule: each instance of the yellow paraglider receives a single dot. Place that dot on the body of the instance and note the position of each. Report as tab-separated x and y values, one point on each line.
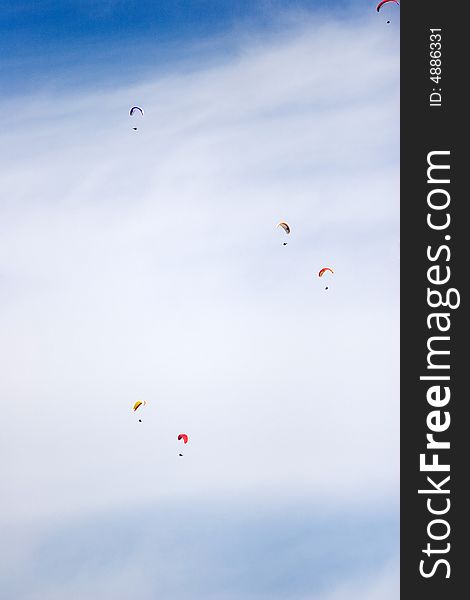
137	405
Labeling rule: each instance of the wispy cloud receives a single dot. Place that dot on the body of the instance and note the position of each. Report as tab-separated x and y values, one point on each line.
148	265
217	550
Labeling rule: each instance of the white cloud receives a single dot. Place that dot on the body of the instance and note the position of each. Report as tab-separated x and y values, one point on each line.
383	585
147	265
128	583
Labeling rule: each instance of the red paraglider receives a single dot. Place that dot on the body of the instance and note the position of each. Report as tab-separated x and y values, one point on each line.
380	4
184	437
323	271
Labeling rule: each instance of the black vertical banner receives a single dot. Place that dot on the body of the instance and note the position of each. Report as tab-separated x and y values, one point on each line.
435	259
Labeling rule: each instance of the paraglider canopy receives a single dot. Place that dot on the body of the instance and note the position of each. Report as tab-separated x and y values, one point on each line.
138	404
284	226
184	437
380	4
134	108
324	270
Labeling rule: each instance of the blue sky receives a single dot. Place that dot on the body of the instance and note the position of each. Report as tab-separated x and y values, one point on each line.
65	42
199	551
60	21
148	265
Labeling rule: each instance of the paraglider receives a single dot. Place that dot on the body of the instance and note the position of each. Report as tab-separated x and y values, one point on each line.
184	438
137	405
134	110
286	228
323	271
380	4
